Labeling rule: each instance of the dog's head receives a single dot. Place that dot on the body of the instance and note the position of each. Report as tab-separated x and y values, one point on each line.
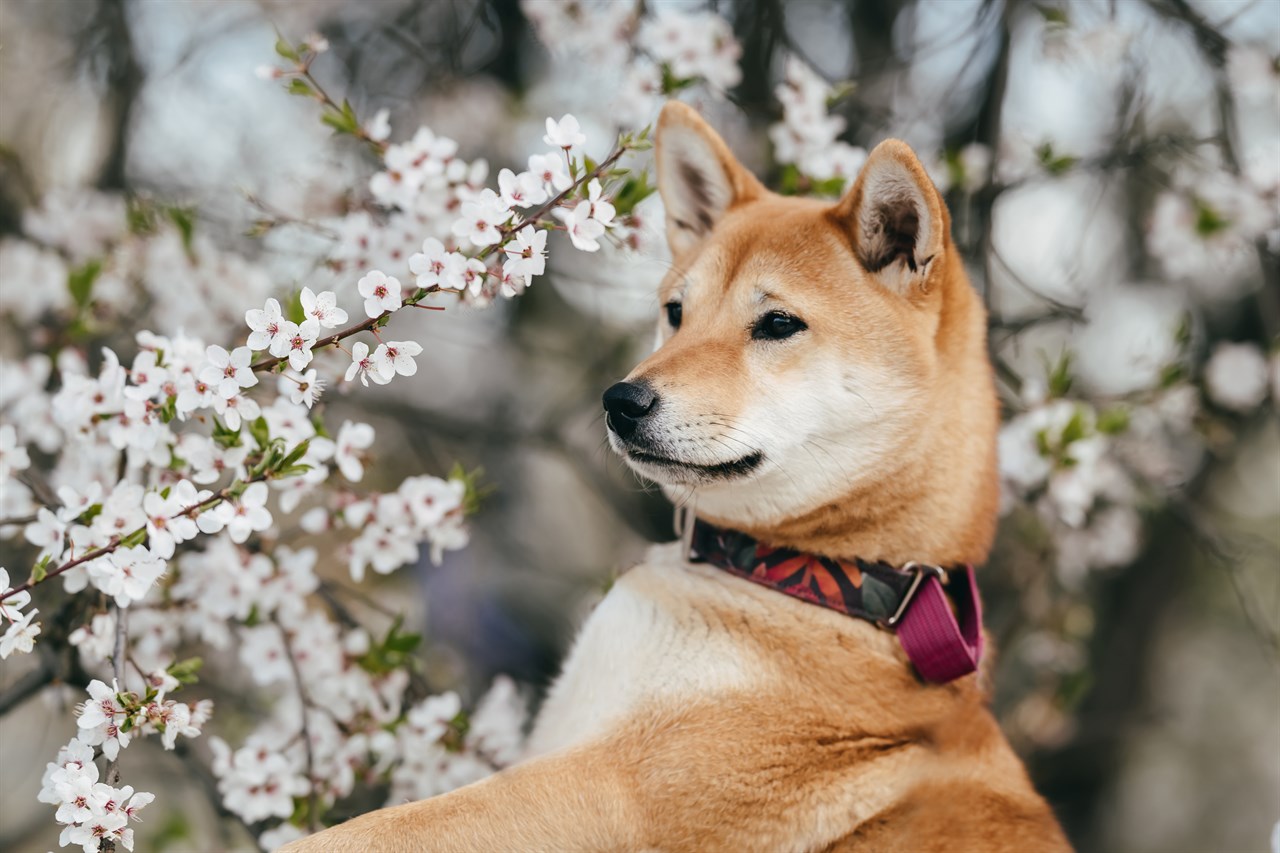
797	350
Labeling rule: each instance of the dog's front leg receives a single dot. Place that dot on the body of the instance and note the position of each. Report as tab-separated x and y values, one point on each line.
569	801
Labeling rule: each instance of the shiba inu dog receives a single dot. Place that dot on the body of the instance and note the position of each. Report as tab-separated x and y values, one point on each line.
822	400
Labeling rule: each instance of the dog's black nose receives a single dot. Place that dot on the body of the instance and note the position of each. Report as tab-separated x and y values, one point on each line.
627	403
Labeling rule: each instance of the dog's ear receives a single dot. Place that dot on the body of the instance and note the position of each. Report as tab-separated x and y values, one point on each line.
698	177
894	217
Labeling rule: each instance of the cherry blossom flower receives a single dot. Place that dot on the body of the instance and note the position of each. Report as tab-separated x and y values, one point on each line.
101	717
248	514
228	372
20	636
126	574
322	308
436	267
527	255
583	230
11	607
265	324
473	276
13	455
366	366
352	438
1236	376
47	533
193	394
147	375
480	218
235	409
551	170
257	782
379	127
396	357
304	389
295	342
165	527
565	133
381	293
522	190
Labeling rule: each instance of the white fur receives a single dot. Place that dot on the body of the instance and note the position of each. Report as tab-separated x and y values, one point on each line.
647	640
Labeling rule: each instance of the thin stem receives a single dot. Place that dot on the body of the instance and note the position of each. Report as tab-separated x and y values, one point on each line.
506	231
115	541
313	817
117	669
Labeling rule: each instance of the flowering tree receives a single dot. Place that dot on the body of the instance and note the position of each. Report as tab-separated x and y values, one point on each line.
174	482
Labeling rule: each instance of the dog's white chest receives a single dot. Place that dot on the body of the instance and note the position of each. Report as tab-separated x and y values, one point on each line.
651	639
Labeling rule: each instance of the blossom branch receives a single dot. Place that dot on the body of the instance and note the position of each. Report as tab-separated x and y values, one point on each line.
115	541
313	800
117	668
537	216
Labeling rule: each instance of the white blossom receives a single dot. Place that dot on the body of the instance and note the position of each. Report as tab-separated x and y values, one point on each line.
396	357
367	366
565	133
381	293
265	324
352	439
322	308
1235	376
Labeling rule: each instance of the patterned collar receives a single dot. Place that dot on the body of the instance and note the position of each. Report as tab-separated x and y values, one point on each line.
943	641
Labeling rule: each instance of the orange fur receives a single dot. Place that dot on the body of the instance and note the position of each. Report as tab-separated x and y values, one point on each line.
701	712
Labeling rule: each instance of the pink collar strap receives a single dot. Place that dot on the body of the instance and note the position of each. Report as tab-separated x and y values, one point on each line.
942	638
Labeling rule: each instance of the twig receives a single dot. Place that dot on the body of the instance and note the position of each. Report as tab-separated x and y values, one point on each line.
115	541
117	670
505	232
313	799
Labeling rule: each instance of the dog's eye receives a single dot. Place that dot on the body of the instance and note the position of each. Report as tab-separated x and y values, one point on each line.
675	313
775	326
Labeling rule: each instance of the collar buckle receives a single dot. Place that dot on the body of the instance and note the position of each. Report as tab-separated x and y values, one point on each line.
920	572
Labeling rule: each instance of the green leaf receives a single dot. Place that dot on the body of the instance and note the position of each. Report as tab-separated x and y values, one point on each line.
298	86
140	215
1053	15
224	436
260	431
672	84
80	281
168	410
789	180
185	219
829	187
186	670
90	514
1055	164
293	307
1059	374
1075	428
286	50
1208	221
1171	375
1114	420
296	454
41	569
342	120
475	491
633	191
137	537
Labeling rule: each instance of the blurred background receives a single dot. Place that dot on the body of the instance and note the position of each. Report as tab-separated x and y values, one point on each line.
1112	171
